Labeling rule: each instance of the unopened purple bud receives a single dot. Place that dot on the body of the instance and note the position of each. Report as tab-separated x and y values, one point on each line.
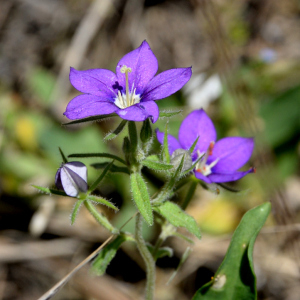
72	178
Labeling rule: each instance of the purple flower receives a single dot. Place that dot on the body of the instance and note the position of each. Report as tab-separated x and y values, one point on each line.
130	92
72	178
220	160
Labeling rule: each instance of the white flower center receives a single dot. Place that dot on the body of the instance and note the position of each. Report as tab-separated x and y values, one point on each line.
130	97
202	165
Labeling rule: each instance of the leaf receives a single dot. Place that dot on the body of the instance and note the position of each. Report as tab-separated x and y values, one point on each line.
184	257
189	195
117	131
177	217
168	114
104	258
113	168
156	165
100	178
106	155
161	252
101	219
235	278
89	119
167	191
165	151
49	191
75	210
63	156
191	150
101	201
141	196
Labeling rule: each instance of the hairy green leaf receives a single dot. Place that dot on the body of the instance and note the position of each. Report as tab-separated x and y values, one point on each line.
156	165
89	119
235	278
177	217
113	168
101	201
100	177
106	155
116	132
49	191
75	210
101	219
168	114
141	197
104	258
63	155
165	151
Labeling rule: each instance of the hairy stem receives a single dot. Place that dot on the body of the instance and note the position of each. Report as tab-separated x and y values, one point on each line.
145	253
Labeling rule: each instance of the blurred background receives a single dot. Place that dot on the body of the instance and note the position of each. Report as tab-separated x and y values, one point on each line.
246	74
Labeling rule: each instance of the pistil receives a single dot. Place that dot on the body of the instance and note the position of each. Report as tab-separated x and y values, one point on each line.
129	98
126	70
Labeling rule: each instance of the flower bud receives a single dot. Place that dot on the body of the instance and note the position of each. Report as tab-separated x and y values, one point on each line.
177	157
72	178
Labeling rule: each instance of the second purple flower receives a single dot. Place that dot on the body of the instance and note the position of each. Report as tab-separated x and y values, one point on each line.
131	92
220	160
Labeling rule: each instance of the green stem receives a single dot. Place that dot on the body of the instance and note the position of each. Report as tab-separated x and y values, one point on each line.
189	195
145	253
158	243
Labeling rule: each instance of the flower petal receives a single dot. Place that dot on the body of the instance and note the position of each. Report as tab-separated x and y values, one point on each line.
219	177
99	82
197	123
140	112
172	141
167	83
202	177
84	106
143	64
232	152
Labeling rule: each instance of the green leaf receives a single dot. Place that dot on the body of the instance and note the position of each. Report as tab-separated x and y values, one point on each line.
106	155
184	257
63	156
161	252
117	131
89	119
104	258
191	150
156	165
101	201
167	191
100	178
75	210
113	168
177	217
141	197
49	191
101	219
168	114
189	195
165	151
235	278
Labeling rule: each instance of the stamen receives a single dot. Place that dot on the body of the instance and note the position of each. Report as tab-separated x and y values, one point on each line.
211	147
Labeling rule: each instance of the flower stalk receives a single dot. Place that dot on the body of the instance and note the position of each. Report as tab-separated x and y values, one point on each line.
147	257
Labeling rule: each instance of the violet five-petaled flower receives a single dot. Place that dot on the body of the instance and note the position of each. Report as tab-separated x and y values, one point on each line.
220	160
130	93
